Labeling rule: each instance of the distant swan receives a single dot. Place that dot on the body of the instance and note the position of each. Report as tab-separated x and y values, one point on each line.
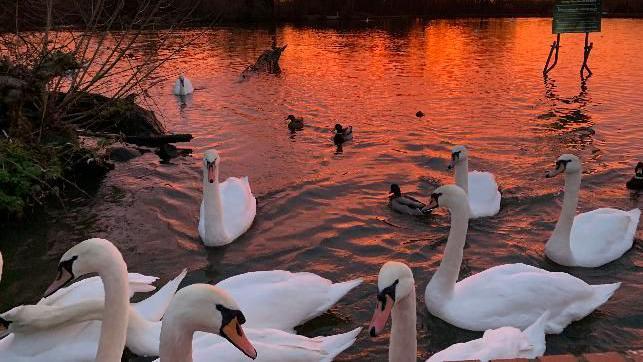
593	238
396	298
183	86
481	187
513	295
228	208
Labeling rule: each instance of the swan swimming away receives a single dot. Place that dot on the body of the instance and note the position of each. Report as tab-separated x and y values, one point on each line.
481	187
396	299
513	295
593	238
228	208
183	86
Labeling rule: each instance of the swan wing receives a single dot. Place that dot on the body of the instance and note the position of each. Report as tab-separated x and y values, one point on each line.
283	300
484	197
239	206
92	288
153	308
78	341
458	352
603	235
274	346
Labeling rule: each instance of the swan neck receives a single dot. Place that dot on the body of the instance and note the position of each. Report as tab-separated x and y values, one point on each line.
403	345
462	174
175	341
447	274
562	232
114	325
213	207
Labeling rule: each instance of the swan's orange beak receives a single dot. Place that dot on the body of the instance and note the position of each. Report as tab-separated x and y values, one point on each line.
234	334
380	316
64	277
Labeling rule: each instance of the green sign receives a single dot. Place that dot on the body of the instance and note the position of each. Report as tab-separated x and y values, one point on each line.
577	16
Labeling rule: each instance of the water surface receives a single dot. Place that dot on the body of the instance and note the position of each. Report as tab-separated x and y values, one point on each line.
479	83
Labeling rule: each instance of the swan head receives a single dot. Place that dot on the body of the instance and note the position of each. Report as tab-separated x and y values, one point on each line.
448	196
566	163
394	283
89	256
395	191
206	308
458	154
210	163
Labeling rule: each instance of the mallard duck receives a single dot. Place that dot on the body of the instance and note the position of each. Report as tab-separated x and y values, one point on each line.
636	182
419	114
404	203
294	123
342	134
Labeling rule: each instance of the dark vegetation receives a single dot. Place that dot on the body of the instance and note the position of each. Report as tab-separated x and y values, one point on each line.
65	94
203	12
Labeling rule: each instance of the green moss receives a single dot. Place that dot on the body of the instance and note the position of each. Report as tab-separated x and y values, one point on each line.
26	175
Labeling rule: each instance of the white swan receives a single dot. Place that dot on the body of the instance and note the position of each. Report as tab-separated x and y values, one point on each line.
481	187
183	86
513	295
590	239
396	298
228	208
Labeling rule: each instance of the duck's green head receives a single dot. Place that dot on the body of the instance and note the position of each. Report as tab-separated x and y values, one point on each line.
291	118
339	128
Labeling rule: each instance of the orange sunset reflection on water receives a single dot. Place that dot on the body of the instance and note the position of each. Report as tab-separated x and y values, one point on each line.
479	82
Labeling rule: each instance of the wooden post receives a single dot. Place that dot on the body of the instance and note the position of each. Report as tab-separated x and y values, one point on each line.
587	50
554	46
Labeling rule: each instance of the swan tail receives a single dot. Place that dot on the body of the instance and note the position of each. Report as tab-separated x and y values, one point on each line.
535	333
154	307
332	346
602	293
336	292
339	290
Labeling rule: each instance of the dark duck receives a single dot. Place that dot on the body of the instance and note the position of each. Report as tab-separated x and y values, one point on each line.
404	203
636	182
419	114
294	123
342	134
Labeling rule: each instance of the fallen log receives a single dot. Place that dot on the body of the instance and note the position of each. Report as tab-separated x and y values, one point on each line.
158	140
150	141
